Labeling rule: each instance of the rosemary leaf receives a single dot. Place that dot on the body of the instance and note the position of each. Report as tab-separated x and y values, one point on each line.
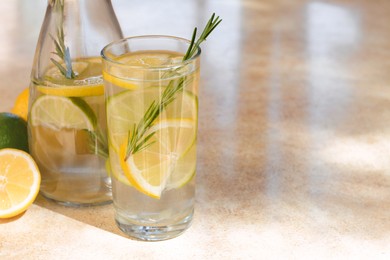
59	66
62	51
188	53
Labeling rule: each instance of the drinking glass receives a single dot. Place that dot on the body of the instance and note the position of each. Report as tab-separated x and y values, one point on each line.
152	115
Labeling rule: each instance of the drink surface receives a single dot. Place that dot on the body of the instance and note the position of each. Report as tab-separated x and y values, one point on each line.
67	127
155	185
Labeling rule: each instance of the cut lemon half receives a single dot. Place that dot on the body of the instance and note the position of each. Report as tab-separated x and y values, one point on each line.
62	112
127	108
149	170
19	182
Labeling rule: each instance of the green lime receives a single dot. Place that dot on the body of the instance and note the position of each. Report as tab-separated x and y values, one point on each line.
13	132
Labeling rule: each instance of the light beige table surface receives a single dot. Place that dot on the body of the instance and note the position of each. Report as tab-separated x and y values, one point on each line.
294	134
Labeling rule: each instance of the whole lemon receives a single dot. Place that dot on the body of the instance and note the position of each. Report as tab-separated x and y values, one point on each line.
21	104
13	132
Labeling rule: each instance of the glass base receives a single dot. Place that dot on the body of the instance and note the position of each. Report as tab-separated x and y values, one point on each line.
155	233
77	204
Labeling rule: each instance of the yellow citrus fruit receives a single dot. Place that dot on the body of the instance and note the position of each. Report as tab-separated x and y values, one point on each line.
62	112
119	76
118	81
127	108
21	104
19	182
150	169
72	91
170	161
86	84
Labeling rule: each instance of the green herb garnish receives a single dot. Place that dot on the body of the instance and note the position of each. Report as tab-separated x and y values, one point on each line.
61	50
97	139
138	139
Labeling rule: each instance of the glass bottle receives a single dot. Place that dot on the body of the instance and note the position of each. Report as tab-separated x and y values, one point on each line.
67	121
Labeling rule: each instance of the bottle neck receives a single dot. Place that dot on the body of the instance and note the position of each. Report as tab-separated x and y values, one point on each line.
88	25
80	6
72	30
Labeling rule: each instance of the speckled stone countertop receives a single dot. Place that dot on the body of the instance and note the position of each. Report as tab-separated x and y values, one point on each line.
294	134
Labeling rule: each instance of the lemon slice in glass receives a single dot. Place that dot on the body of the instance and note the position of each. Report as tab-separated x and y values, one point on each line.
128	108
118	81
150	169
169	162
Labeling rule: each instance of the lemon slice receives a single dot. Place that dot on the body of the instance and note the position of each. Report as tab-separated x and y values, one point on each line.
87	83
72	91
118	81
62	112
184	170
127	108
19	182
120	75
53	74
144	59
115	167
149	170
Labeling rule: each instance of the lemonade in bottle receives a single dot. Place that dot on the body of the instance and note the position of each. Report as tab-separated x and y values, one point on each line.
67	118
68	134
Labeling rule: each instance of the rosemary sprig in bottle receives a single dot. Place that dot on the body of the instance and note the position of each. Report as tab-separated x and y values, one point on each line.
61	50
138	138
97	139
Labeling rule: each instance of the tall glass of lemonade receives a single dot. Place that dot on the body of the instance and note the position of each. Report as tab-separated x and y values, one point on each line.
152	116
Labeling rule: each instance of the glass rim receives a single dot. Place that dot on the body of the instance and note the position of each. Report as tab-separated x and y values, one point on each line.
182	63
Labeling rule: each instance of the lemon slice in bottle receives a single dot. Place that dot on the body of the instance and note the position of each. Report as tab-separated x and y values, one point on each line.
86	84
62	112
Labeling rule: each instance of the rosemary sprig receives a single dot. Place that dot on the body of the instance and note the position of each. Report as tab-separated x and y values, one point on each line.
97	138
138	138
61	50
98	143
210	26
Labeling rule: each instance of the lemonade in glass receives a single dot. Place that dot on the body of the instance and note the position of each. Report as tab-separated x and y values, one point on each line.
152	117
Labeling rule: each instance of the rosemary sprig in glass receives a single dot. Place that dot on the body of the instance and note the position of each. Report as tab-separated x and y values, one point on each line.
138	138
